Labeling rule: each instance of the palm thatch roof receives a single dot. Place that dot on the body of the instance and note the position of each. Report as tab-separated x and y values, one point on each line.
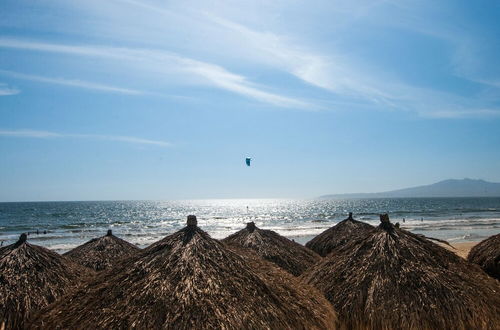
487	255
103	252
287	254
32	277
393	279
338	235
190	281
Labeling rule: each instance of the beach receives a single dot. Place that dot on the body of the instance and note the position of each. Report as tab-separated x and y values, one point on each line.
183	165
461	249
129	273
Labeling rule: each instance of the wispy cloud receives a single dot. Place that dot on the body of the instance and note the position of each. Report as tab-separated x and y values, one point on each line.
144	5
27	133
119	138
72	83
6	90
331	72
495	83
163	62
237	83
458	114
244	44
350	79
472	50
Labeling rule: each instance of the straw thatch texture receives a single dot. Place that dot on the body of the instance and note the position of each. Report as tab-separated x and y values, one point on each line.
289	255
31	277
103	252
487	255
338	235
393	279
190	281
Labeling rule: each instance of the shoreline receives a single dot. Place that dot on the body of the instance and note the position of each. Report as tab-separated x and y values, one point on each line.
142	223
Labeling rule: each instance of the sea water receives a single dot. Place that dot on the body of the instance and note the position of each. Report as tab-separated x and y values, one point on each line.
69	224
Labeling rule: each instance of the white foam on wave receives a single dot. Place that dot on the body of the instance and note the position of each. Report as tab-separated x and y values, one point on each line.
455	224
144	223
62	247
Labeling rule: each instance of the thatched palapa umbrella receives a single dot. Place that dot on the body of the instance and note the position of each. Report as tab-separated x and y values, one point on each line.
103	252
338	235
393	279
487	255
287	254
31	277
190	281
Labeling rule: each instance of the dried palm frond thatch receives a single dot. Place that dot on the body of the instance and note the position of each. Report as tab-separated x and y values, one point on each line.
338	235
103	252
32	277
287	254
190	281
487	255
393	279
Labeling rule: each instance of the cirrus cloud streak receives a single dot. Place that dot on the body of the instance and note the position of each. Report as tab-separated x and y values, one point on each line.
36	134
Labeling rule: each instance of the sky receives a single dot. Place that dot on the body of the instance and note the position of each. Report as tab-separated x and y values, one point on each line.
150	99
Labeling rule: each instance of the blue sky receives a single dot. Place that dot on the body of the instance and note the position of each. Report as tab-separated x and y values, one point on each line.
148	99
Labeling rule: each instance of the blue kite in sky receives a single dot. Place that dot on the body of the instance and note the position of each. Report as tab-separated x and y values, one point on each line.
247	160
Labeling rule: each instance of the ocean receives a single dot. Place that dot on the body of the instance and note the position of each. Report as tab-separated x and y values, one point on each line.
64	225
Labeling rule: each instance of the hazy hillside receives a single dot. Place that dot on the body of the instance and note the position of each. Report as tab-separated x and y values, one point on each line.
446	188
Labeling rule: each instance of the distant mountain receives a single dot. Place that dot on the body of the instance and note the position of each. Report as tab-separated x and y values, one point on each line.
446	188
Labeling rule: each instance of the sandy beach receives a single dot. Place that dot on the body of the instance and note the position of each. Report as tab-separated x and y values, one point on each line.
461	249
